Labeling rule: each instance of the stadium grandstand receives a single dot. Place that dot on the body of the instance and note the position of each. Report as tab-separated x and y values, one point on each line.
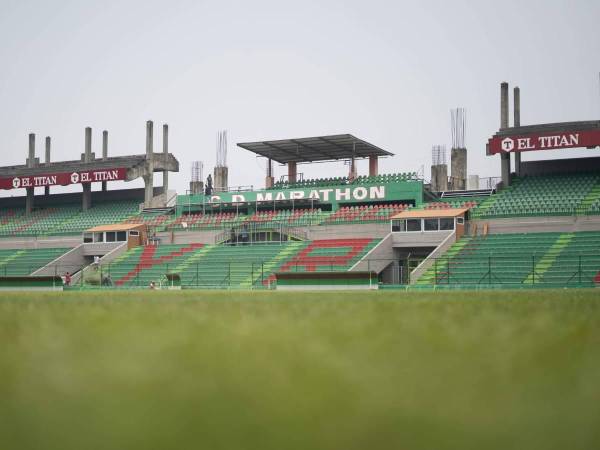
539	226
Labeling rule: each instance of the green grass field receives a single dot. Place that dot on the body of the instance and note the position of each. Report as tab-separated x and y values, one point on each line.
266	370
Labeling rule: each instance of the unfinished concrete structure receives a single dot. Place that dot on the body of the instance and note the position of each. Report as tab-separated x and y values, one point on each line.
458	153
439	169
504	157
517	123
221	172
89	170
541	137
197	185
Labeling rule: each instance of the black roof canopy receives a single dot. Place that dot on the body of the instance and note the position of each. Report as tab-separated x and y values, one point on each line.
315	149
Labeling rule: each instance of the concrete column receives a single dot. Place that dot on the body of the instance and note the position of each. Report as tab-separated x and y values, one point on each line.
352	172
47	161
149	139
104	155
30	164
87	157
458	168
373	166
517	123
88	145
165	155
505	168
149	177
439	178
504	157
269	180
221	179
196	187
504	105
292	172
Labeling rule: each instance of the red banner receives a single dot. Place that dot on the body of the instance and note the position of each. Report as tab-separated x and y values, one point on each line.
63	179
543	141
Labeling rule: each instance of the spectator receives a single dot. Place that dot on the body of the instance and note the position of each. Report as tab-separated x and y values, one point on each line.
67	279
107	280
233	237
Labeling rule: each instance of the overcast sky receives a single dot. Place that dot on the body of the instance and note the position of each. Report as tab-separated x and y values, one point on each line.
386	71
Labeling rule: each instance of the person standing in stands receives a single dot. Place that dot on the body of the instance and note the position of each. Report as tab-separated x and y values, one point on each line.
209	188
67	279
232	237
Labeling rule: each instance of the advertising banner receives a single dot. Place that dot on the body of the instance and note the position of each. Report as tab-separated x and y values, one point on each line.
543	141
63	179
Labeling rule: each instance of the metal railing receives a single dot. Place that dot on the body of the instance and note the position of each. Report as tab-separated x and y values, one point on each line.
536	269
569	270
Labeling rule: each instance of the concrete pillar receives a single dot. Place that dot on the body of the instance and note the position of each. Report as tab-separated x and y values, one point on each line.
504	157
87	157
352	171
196	187
221	179
47	161
503	105
104	155
292	172
30	165
269	179
373	166
149	139
439	177
149	176
165	155
88	145
505	169
458	168
517	123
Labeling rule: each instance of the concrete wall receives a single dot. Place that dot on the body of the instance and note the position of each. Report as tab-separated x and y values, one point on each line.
367	230
188	237
422	239
564	224
100	249
45	242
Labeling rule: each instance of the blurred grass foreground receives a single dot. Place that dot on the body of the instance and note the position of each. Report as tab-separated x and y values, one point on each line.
267	370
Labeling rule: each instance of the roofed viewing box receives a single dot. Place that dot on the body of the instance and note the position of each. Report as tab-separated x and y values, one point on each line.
135	234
